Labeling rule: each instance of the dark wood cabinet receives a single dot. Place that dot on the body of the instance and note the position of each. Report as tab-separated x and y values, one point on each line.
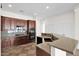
5	43
10	24
21	40
20	22
25	25
13	24
31	29
7	23
2	23
5	27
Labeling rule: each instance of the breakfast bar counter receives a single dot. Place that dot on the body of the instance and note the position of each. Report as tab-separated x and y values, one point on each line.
64	43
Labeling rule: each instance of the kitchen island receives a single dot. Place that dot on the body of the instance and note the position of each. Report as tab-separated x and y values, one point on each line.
61	46
65	44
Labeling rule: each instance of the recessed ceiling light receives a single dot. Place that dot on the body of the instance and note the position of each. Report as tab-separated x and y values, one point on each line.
10	5
47	7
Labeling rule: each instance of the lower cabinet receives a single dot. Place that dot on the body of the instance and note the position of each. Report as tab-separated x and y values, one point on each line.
21	40
14	41
5	43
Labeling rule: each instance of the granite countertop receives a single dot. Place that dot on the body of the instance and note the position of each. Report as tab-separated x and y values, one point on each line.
8	35
65	44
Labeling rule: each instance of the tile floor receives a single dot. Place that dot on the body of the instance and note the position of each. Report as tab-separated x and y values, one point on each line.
24	50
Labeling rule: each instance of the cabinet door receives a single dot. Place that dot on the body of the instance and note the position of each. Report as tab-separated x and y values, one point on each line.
2	23
31	24
7	23
25	25
5	43
17	22
22	22
12	41
13	23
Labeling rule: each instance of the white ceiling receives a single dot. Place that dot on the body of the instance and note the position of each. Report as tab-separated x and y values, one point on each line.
39	9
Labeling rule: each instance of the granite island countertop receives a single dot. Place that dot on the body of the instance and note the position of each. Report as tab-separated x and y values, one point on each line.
64	43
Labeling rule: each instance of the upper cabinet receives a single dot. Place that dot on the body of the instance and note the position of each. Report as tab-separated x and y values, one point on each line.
8	23
5	23
25	25
31	24
13	24
20	22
